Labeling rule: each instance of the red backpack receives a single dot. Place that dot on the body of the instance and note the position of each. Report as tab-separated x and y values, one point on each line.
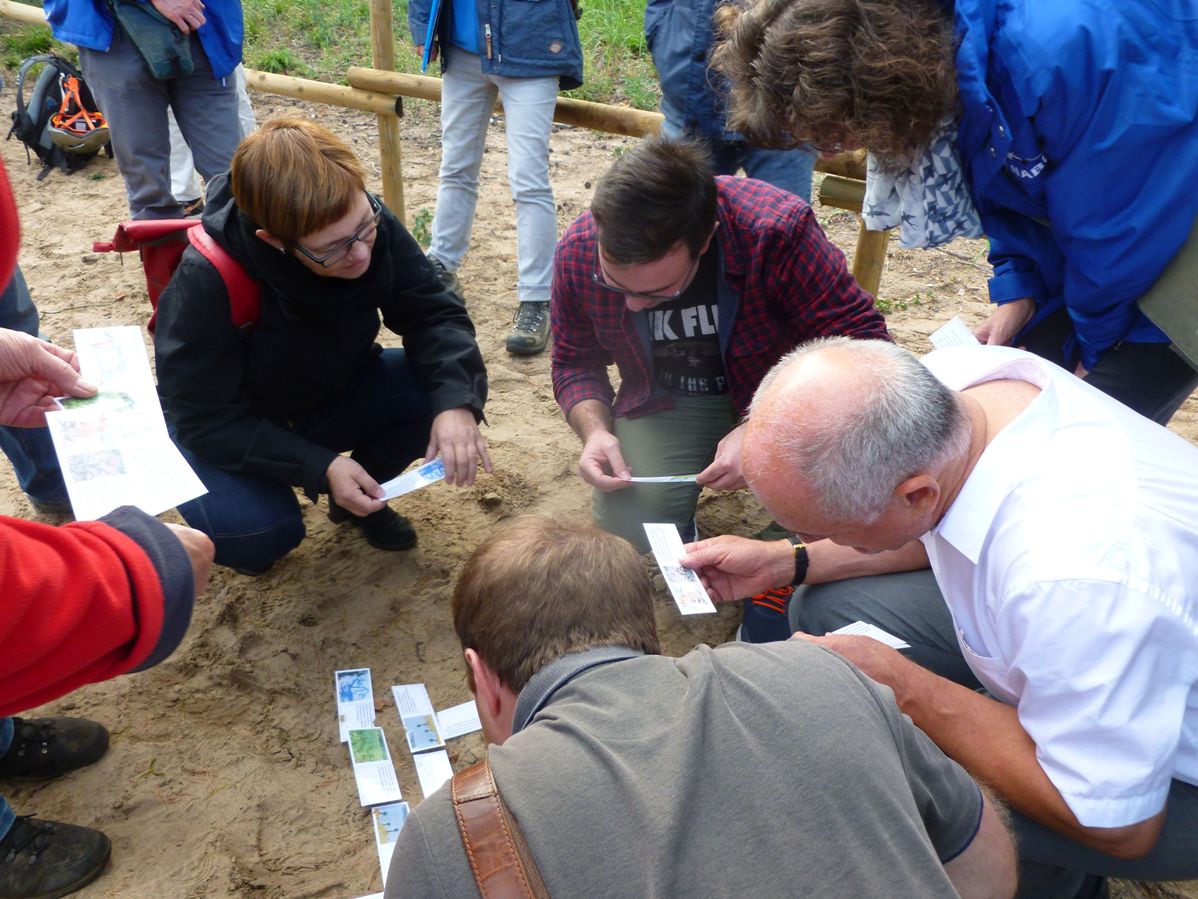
161	243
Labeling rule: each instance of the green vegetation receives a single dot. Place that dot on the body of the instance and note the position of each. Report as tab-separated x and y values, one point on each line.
322	38
21	41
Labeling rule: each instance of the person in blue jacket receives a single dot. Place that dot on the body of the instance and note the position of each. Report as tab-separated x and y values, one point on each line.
1076	123
141	59
680	35
523	53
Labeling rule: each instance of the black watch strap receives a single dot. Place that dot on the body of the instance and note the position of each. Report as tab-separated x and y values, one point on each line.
802	560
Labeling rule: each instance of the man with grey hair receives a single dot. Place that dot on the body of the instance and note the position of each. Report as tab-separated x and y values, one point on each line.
1061	530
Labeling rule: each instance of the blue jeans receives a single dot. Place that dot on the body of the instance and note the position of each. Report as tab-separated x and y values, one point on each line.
7	816
1051	865
30	450
788	169
467	100
384	415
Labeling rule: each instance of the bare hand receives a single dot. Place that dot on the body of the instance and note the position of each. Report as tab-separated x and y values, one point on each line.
352	487
602	465
873	657
455	435
432	57
1007	321
32	373
736	567
200	552
188	15
724	471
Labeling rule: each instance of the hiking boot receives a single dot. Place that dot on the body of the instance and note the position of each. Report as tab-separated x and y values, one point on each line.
47	747
530	330
767	616
384	529
449	280
45	859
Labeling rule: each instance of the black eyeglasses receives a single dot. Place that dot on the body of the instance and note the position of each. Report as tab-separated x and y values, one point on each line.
331	258
599	277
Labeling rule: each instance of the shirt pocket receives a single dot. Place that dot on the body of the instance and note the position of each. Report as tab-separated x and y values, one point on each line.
990	670
533	31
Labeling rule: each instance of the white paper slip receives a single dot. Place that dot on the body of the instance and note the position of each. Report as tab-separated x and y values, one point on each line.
419	720
428	473
686	588
387	821
862	629
113	448
355	700
667	479
955	333
459	720
433	769
373	768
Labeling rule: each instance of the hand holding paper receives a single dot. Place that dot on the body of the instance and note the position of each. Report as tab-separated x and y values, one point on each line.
32	373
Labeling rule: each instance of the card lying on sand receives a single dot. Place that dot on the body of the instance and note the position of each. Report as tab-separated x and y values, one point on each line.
355	700
373	769
419	720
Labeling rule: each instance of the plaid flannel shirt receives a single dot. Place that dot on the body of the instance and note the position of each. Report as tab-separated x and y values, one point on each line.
782	279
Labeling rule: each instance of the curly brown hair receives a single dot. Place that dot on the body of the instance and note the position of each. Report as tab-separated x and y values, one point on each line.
870	73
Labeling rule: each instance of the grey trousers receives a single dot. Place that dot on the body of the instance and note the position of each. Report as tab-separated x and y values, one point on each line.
1051	866
135	105
681	440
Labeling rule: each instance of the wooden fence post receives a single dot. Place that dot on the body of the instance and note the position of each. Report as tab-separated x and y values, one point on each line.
382	40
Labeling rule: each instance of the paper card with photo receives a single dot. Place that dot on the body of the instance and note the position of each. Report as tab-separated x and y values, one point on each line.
666	479
428	473
419	720
864	629
433	769
688	591
387	821
374	771
459	720
355	700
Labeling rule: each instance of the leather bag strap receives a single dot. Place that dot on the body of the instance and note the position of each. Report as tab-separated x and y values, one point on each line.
499	857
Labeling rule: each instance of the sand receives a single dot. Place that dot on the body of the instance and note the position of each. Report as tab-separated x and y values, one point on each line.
225	776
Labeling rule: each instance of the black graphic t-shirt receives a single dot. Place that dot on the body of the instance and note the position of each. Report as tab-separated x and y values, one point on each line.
686	340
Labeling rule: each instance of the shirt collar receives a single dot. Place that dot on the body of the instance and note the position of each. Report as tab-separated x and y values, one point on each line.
1003	463
542	685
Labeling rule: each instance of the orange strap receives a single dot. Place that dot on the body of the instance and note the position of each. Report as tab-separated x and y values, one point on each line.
64	120
499	857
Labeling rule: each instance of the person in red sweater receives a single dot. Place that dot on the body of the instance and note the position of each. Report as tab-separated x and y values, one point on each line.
78	604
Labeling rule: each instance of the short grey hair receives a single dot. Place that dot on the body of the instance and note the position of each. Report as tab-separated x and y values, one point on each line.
856	456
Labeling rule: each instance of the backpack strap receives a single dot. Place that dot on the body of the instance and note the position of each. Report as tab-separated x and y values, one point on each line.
245	300
499	857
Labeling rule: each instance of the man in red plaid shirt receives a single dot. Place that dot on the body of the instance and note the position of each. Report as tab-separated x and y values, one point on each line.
694	286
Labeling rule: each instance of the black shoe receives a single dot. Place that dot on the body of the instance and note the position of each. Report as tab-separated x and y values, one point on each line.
530	330
47	747
384	529
767	616
449	280
45	860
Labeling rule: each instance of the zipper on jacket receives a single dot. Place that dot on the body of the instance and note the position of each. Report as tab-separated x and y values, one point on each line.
487	32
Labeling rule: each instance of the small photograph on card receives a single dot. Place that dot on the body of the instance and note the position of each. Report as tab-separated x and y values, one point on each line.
423	734
368	746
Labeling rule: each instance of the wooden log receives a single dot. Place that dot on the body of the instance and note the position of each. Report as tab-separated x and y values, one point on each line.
321	92
30	15
382	41
870	258
842	193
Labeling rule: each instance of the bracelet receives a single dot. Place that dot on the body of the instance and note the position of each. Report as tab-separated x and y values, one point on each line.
802	560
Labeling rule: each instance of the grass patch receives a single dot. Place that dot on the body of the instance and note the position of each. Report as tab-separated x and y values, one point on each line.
19	42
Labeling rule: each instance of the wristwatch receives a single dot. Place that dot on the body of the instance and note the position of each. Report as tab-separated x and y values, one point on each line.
801	559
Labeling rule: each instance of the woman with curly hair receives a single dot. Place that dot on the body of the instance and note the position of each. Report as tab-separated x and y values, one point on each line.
1068	129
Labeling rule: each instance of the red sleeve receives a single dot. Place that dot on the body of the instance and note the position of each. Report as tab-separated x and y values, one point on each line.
78	604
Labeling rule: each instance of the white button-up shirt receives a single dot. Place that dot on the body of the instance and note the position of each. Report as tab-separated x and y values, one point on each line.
1069	561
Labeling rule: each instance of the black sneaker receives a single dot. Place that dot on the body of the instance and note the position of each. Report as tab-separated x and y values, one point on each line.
449	280
530	330
47	747
767	616
384	529
45	860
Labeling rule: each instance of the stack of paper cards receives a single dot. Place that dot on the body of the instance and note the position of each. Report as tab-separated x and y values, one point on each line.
686	588
424	735
863	629
355	700
428	473
113	448
387	821
373	769
955	333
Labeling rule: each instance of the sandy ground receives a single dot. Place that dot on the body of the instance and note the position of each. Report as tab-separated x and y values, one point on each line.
225	776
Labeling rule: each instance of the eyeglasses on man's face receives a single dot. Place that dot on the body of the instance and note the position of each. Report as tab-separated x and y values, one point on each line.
366	232
600	277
